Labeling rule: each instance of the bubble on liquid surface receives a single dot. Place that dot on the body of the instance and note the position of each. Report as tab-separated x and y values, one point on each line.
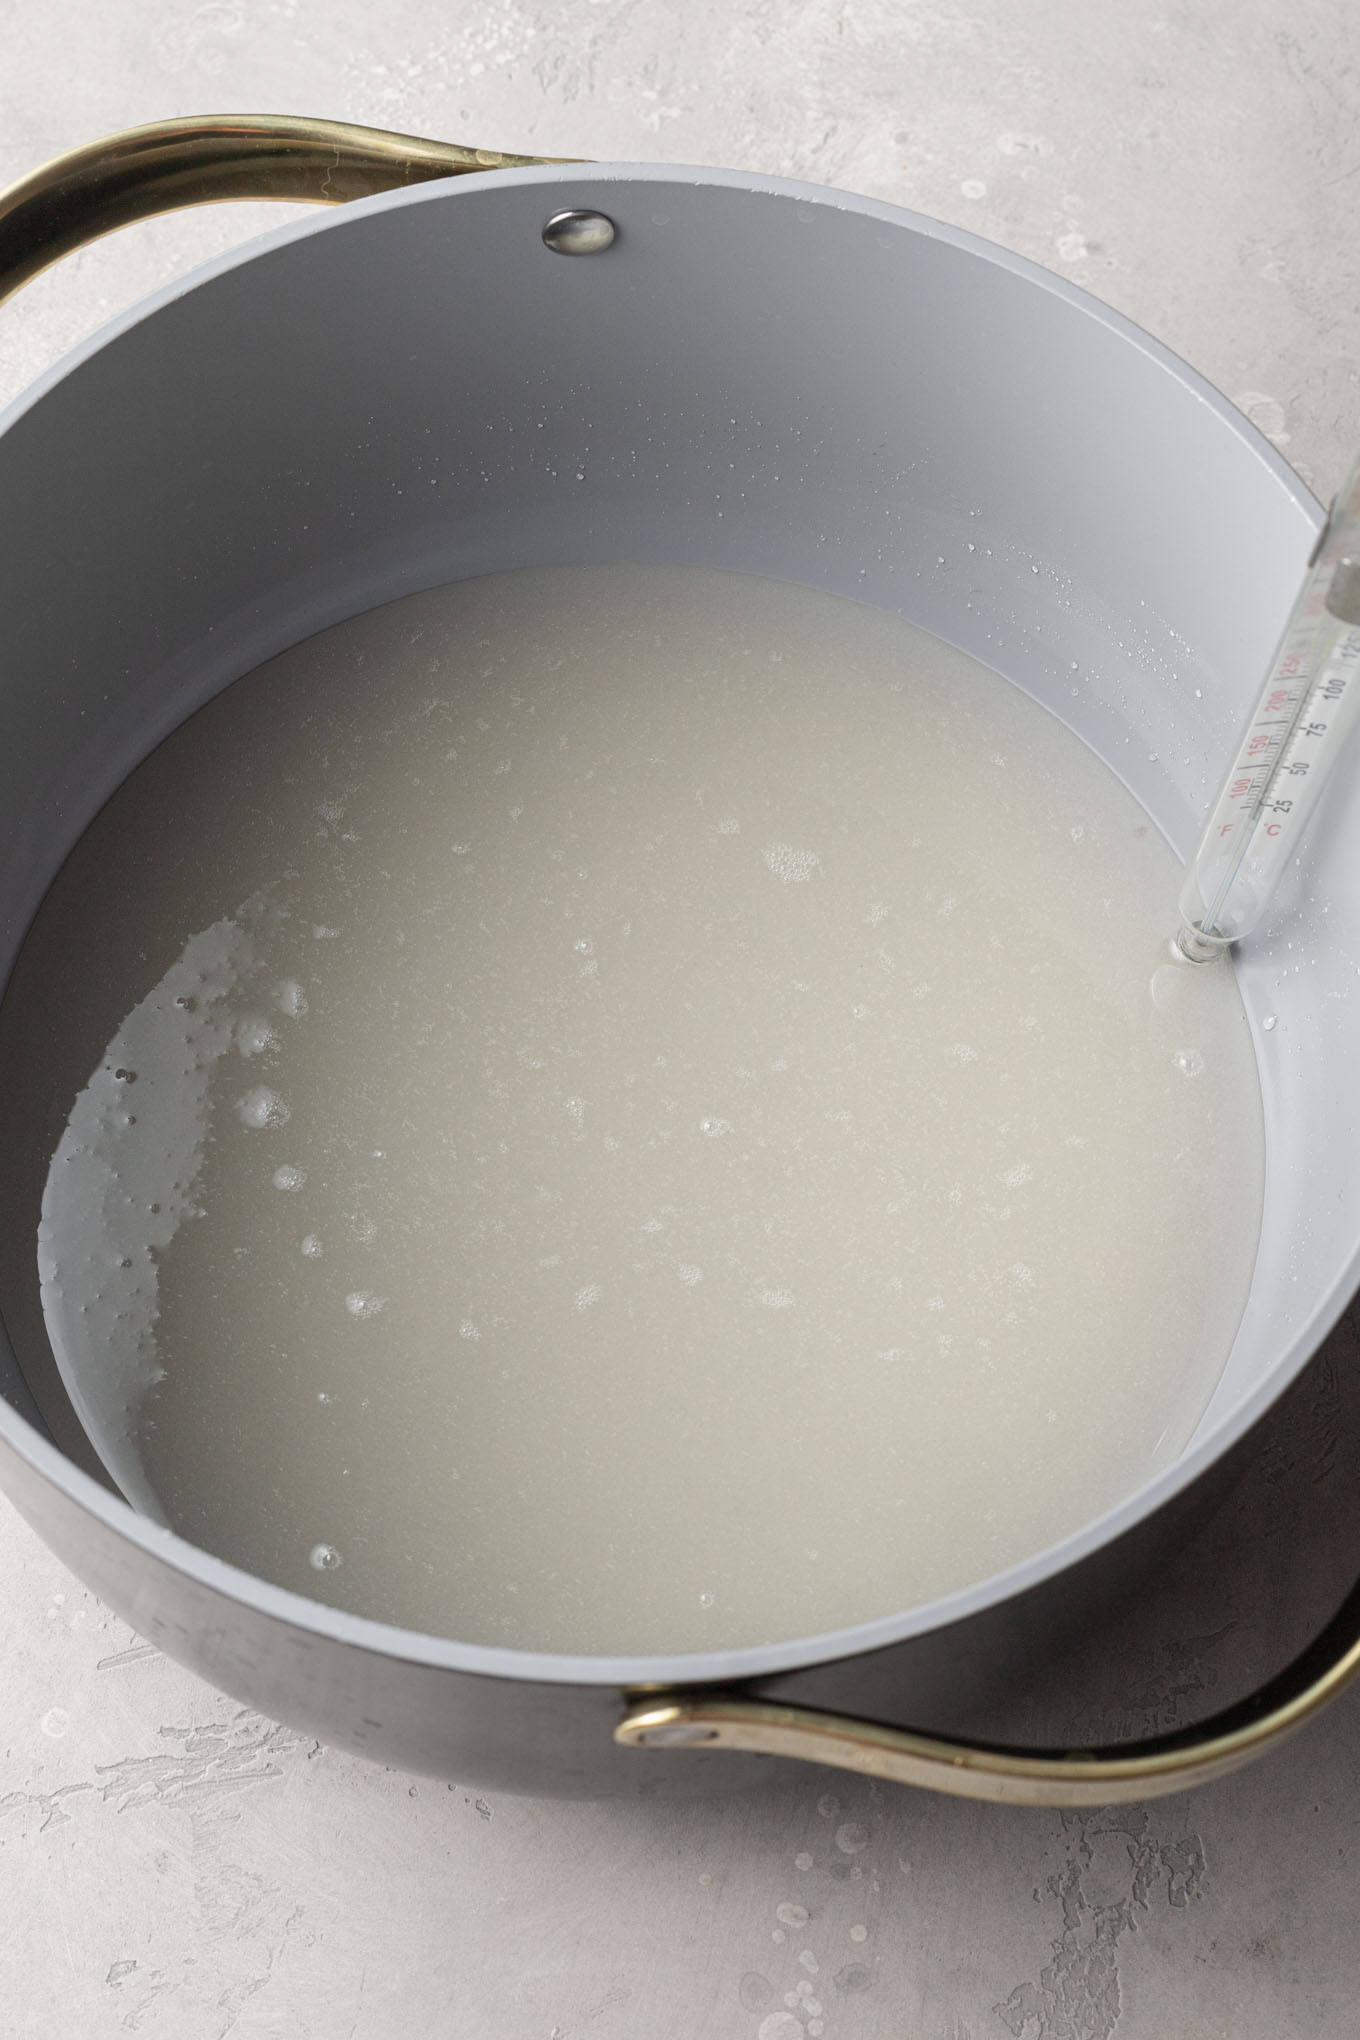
1189	1062
792	866
253	1035
1269	1023
286	1177
311	1246
714	1129
292	1000
261	1107
362	1303
324	1558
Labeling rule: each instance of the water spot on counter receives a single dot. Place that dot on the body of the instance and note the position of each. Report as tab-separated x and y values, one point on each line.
859	1933
1265	413
1012	143
790	1915
851	1837
854	1976
1116	1873
755	1991
790	865
828	1805
55	1723
780	2026
802	1861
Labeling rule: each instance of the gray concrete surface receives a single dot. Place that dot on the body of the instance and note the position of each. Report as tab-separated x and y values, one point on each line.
174	1867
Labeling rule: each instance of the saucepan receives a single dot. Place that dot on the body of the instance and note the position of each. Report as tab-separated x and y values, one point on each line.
710	367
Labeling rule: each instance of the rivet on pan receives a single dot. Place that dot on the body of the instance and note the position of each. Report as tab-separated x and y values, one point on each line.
676	1734
578	233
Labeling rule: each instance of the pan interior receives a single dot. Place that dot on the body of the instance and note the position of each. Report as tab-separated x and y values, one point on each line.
754	379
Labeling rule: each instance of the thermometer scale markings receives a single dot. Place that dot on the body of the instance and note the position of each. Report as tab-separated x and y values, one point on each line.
1301	723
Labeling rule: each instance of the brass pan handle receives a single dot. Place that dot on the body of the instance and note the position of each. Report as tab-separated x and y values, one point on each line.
208	160
142	171
702	1719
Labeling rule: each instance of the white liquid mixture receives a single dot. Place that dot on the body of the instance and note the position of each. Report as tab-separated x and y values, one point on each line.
642	1124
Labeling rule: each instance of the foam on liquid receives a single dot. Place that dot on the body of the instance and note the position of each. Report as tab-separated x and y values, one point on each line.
633	1120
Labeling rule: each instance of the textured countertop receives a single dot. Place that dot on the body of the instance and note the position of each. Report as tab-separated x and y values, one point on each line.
173	1866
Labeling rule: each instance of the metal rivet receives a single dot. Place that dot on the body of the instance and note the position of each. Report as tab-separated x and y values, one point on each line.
578	233
678	1734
